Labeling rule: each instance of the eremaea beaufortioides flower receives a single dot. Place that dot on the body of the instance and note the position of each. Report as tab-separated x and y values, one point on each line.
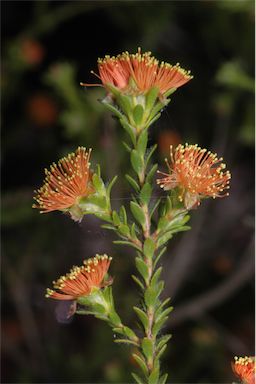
196	174
82	281
244	368
88	285
139	85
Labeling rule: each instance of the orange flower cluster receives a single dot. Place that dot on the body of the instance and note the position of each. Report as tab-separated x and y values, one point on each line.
244	368
80	281
137	73
197	172
65	183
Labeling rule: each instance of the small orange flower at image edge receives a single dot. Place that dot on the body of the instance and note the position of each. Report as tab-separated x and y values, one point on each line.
137	73
197	173
244	368
81	281
65	182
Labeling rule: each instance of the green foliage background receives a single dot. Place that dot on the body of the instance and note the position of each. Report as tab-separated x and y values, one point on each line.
48	48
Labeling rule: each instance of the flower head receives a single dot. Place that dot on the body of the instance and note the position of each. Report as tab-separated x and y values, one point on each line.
65	182
137	73
244	368
81	281
197	173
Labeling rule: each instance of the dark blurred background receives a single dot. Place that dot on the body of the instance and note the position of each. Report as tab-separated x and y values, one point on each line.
48	47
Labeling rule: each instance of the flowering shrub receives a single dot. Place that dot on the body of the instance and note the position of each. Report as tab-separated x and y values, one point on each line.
138	88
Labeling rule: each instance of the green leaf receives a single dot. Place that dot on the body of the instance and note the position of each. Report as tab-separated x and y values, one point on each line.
129	129
155	277
142	143
124	230
161	306
163	341
159	256
143	317
98	184
141	362
116	219
150	153
154	376
149	248
151	173
123	215
157	326
137	161
125	341
112	109
151	98
138	213
163	379
166	312
147	348
145	194
108	226
154	208
129	333
152	120
110	186
129	243
142	267
152	294
125	103
138	113
127	147
137	378
114	318
133	183
163	239
137	281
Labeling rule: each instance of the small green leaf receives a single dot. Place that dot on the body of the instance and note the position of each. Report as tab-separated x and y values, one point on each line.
123	215
163	314
129	129
137	281
143	317
163	379
133	231
151	173
152	120
137	161
158	325
133	183
137	378
125	341
151	98
154	376
141	362
154	207
142	267
129	333
129	243
150	153
152	294
98	184
138	113
127	147
147	348
115	218
161	306
159	256
125	103
142	143
156	276
114	319
138	213
124	230
145	193
149	248
110	186
163	239
112	109
162	341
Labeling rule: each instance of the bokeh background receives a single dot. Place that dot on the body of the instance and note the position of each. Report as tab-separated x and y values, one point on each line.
48	47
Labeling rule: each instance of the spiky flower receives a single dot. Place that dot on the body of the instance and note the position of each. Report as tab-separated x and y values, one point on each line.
244	368
65	183
81	281
197	173
137	73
